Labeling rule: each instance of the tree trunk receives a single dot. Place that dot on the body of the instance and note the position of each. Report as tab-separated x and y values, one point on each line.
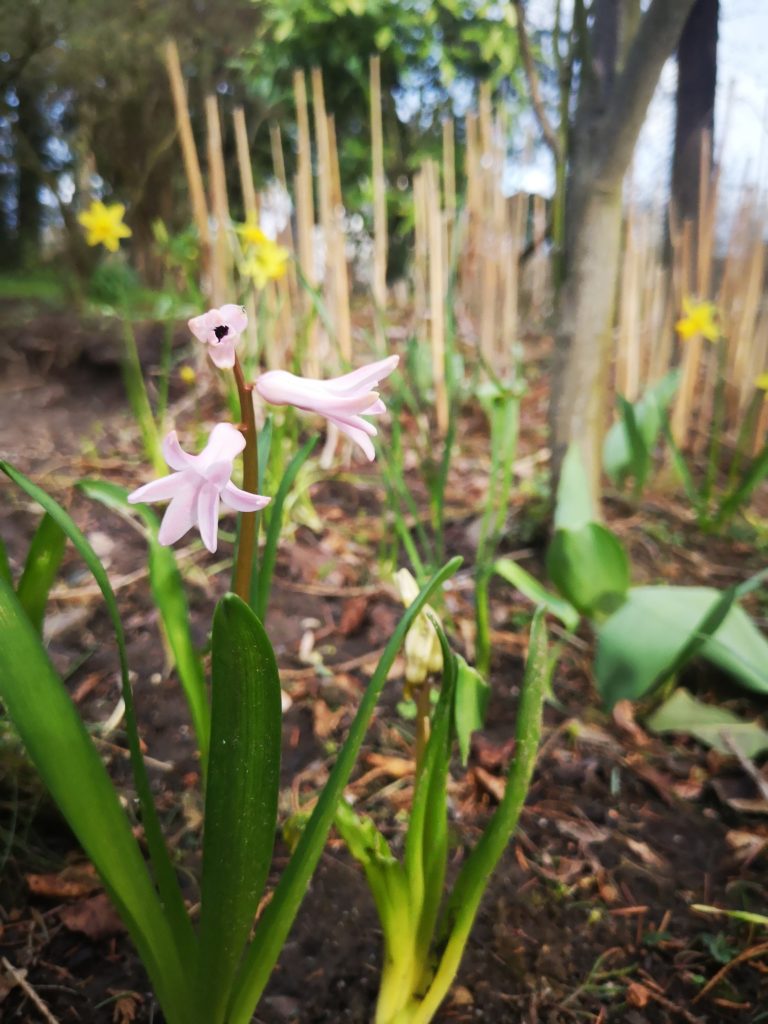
616	89
695	104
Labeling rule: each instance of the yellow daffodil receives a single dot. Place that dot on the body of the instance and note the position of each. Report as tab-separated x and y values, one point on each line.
265	262
187	375
251	234
699	320
761	381
104	224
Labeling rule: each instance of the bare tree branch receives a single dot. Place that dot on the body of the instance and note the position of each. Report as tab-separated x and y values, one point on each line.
532	78
656	38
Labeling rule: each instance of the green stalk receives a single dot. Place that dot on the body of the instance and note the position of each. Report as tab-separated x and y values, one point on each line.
246	547
474	876
715	437
138	398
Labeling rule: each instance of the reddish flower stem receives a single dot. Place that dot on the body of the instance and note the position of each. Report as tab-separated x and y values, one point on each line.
246	549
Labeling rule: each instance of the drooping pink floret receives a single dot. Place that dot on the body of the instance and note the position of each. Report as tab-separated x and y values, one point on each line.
342	400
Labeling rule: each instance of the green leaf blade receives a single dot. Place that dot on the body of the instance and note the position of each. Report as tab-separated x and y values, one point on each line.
42	564
241	795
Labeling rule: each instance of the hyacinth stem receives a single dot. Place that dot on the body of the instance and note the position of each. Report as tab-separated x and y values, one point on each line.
422	721
246	548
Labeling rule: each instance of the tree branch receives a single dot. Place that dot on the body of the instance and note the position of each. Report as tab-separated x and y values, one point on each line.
656	38
532	78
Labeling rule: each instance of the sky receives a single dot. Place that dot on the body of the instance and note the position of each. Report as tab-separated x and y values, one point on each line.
741	111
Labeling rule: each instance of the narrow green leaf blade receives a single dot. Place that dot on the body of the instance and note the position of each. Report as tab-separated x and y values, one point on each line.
170	599
241	796
166	876
573	508
535	591
42	564
278	916
59	745
272	537
477	869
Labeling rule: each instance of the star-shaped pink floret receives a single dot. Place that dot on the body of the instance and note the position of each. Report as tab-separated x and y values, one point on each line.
197	486
342	400
220	330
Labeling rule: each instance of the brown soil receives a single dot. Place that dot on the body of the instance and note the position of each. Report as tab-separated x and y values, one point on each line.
588	917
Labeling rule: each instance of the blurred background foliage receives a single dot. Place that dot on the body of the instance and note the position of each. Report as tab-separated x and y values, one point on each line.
86	109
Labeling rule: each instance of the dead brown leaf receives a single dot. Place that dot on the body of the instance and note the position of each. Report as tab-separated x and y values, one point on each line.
353	615
126	1008
637	995
645	853
72	883
94	917
624	717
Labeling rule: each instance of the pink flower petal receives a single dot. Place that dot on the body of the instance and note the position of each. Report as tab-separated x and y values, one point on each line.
234	317
222	352
208	515
242	501
358	436
278	387
175	455
180	516
159	490
365	377
204	325
225	442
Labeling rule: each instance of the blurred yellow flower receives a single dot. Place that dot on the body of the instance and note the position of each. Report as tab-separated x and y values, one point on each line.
104	224
251	234
699	319
761	381
266	262
187	375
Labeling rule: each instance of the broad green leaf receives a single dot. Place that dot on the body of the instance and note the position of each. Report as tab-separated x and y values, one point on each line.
170	599
590	568
648	414
272	539
63	752
640	644
640	451
471	701
477	869
165	874
573	508
708	723
278	916
241	795
530	587
42	564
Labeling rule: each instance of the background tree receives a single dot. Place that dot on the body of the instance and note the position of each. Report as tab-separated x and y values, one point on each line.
615	54
695	103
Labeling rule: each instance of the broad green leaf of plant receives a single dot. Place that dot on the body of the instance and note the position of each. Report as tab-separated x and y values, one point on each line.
535	591
42	564
709	724
648	415
469	708
241	796
573	508
590	568
641	644
63	752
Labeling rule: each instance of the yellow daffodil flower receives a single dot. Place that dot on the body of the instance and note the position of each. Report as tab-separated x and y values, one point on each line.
187	375
251	234
266	262
104	224
761	381
699	320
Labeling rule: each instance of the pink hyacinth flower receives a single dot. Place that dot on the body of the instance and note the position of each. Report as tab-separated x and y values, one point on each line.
197	486
220	330
342	400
